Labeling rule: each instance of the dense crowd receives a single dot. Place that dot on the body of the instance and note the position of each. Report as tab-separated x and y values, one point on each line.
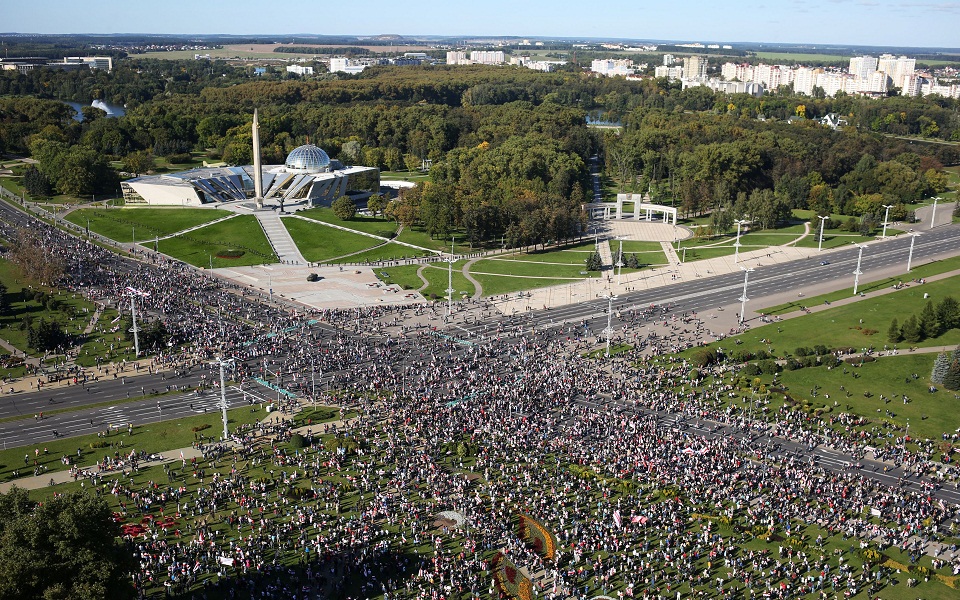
513	420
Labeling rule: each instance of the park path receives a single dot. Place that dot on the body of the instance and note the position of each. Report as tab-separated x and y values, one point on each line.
670	252
426	282
806	232
606	255
477	286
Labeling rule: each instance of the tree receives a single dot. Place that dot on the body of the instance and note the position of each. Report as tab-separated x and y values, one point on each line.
344	208
951	380
941	366
948	313
36	183
929	323
633	262
911	330
594	262
65	547
4	301
376	204
46	335
894	334
138	162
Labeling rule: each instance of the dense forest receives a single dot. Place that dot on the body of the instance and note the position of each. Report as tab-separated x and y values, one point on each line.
509	146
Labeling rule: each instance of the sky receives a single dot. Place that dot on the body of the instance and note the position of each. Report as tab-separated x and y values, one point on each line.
823	22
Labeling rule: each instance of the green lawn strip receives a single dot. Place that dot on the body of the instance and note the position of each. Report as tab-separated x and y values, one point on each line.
405	276
320	243
379	226
843	326
498	266
836	238
436	274
494	285
419	237
150	438
120	224
241	233
920	272
386	252
404	175
630	246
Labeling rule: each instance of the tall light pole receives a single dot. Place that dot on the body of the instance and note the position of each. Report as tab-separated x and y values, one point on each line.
886	219
913	238
223	394
933	215
619	264
450	278
133	293
823	220
858	272
609	329
743	298
736	245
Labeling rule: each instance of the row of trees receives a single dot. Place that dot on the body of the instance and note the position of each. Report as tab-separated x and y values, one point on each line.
933	321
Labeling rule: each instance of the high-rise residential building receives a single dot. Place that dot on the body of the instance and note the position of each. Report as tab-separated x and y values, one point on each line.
487	57
457	57
668	60
863	67
897	68
805	79
695	67
668	72
611	67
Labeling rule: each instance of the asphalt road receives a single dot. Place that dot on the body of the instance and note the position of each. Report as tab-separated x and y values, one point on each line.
723	290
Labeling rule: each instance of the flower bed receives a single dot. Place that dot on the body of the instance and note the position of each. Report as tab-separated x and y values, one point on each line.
539	537
509	580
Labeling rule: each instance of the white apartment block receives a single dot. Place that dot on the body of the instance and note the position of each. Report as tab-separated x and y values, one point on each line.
668	60
670	73
805	79
537	65
929	87
345	65
898	69
695	67
612	67
863	67
487	57
300	70
457	57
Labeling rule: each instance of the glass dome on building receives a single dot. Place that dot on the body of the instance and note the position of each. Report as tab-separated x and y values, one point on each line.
307	159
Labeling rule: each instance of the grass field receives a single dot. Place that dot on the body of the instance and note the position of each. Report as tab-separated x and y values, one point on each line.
436	273
404	175
120	224
320	243
72	312
200	247
380	226
154	437
382	253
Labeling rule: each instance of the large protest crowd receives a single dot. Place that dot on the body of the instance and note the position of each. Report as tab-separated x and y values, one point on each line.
519	422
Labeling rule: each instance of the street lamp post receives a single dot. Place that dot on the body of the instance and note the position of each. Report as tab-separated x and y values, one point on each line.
858	272
933	215
450	278
743	298
823	220
609	330
619	264
736	246
913	238
223	394
886	219
684	259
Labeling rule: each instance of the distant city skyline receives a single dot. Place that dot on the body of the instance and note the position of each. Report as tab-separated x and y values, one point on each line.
821	22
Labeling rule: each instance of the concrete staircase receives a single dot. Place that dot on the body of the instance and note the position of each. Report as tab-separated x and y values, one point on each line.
279	238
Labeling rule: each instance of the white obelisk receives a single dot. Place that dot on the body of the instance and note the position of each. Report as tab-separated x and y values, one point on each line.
257	170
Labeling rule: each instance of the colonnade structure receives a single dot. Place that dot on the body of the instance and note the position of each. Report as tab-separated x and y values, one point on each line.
643	209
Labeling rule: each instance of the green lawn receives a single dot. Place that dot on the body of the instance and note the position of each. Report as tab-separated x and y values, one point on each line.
436	274
930	413
405	276
630	246
380	226
154	437
385	252
242	233
405	175
418	237
512	266
72	313
495	285
120	224
320	243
